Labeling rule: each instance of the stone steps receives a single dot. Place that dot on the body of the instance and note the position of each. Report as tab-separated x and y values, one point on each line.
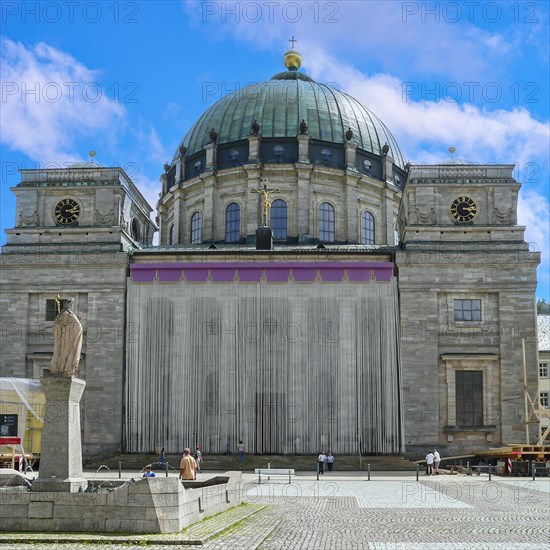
230	462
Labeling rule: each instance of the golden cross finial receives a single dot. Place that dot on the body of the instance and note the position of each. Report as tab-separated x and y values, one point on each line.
264	193
292	40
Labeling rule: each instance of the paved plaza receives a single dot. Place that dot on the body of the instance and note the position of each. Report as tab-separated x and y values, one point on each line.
345	511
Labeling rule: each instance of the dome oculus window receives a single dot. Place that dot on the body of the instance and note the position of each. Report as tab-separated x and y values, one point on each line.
198	166
234	155
278	151
326	155
367	165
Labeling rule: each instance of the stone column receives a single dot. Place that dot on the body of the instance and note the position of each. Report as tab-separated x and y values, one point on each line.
61	456
351	155
387	168
304	195
303	148
252	201
178	236
211	157
254	149
210	215
352	207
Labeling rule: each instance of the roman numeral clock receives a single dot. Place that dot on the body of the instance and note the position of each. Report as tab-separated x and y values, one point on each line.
67	212
463	209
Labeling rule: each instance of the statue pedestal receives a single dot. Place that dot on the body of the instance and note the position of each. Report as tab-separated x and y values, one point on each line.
264	238
61	456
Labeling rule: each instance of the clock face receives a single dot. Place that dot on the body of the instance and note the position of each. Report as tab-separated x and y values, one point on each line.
463	209
67	211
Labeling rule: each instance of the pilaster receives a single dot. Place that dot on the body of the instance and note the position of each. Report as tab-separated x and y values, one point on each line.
303	148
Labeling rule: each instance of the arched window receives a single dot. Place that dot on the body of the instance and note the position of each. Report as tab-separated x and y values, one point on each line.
326	223
233	223
367	228
278	219
134	228
196	228
171	235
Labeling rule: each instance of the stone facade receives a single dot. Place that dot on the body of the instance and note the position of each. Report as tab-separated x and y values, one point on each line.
303	185
88	261
442	263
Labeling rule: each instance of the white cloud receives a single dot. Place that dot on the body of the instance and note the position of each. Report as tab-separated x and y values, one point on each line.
478	134
49	99
534	212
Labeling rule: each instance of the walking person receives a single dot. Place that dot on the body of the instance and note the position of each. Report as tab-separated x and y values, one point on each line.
197	455
330	461
188	465
240	448
162	460
437	461
321	462
429	463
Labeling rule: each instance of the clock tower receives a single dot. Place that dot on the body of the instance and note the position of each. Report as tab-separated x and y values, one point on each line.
75	228
467	282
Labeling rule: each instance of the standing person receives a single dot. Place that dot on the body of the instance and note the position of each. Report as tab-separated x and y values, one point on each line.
188	465
321	462
240	448
437	460
330	461
198	457
162	460
429	463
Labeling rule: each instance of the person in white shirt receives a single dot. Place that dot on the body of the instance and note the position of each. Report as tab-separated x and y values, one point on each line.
429	463
321	462
330	461
437	460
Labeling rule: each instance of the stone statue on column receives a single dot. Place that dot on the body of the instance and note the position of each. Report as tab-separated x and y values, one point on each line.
67	334
61	453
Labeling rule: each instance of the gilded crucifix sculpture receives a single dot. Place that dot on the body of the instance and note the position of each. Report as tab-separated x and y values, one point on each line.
264	192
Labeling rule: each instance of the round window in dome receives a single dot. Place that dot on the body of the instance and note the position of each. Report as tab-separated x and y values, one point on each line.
234	155
278	151
326	155
367	165
198	166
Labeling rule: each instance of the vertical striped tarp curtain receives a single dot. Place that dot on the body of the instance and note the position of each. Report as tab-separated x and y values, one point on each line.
285	367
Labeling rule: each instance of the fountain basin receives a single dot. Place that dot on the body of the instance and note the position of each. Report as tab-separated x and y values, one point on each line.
149	505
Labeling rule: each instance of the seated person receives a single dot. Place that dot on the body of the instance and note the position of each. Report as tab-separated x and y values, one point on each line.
149	472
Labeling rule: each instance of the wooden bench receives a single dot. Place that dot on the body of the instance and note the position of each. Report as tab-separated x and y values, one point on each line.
269	472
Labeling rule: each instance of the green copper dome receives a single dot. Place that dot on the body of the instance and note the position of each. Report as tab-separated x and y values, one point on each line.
280	104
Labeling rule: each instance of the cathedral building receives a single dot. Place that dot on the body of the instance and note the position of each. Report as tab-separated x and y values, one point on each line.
382	312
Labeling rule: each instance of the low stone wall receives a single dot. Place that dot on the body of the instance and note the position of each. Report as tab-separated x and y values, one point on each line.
150	505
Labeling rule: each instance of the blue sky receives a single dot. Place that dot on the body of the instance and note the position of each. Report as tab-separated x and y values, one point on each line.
128	79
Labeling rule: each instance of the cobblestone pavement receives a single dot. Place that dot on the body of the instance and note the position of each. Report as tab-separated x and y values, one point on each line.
386	513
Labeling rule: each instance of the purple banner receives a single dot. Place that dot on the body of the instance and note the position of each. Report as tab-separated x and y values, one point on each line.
249	272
